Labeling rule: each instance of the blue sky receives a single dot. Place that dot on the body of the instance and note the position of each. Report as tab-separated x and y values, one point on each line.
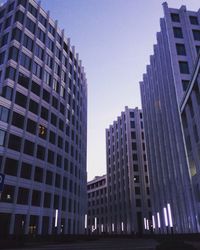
114	39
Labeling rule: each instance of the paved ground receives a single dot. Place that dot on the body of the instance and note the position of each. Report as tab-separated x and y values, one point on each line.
103	244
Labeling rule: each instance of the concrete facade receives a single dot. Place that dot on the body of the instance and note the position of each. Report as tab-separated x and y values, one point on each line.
43	124
162	90
129	206
97	218
191	124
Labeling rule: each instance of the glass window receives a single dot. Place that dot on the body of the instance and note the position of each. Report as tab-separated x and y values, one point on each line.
46	95
33	106
11	7
180	48
28	43
47	78
184	68
4	39
30	25
41	35
22	2
185	84
2	56
40	152
7	92
23	194
32	10
14	142
10	73
17	34
28	147
37	70
4	114
26	170
25	61
194	20
39	52
35	88
23	80
19	17
196	35
49	61
20	99
18	120
2	137
31	126
42	20
11	166
7	22
178	32
38	176
13	53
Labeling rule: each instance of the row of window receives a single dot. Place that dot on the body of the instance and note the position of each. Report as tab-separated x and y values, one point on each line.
176	18
49	200
39	175
179	34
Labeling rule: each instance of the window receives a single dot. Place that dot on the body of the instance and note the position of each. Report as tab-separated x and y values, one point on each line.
33	106
46	95
22	2
14	142
175	17
42	132
30	25
17	34
37	70
2	12
35	88
4	39
197	49
178	32
54	102
135	167
47	78
51	156
133	135
32	10
137	190
18	120
8	193
135	158
25	61
184	69
185	84
50	44
49	61
196	35
19	17
28	147
26	170
49	178
11	166
51	29
42	20
138	203
2	56
39	52
132	114
41	35
132	124
52	137
23	80
23	194
53	119
194	20
36	196
40	152
31	126
136	179
2	137
7	92
44	113
134	146
4	114
20	99
47	200
38	174
55	85
7	22
28	43
11	7
180	48
10	73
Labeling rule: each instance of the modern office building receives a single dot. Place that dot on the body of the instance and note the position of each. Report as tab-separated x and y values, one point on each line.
190	113
162	89
129	205
43	124
97	205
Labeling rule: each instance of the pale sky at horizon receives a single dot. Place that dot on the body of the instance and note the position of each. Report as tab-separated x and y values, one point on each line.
114	39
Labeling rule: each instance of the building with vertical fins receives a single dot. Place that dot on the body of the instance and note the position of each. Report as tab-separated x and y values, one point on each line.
190	114
129	205
97	205
162	90
43	125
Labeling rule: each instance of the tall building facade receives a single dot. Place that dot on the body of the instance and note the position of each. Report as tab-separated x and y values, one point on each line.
97	218
162	90
43	124
190	113
129	206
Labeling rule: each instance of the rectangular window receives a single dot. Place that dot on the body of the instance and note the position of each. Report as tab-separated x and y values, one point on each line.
196	35
47	78
26	170
17	120
37	70
14	142
17	34
23	80
41	35
180	48
23	194
194	20
19	17
28	147
2	137
40	152
20	99
33	106
185	84
42	20
30	25
4	114
178	32
4	39
39	52
32	10
184	68
175	17
25	61
35	88
28	43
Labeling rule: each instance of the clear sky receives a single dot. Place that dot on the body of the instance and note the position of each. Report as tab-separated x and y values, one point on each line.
114	39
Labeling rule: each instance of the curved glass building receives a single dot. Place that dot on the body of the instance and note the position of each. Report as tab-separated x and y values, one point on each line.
43	124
